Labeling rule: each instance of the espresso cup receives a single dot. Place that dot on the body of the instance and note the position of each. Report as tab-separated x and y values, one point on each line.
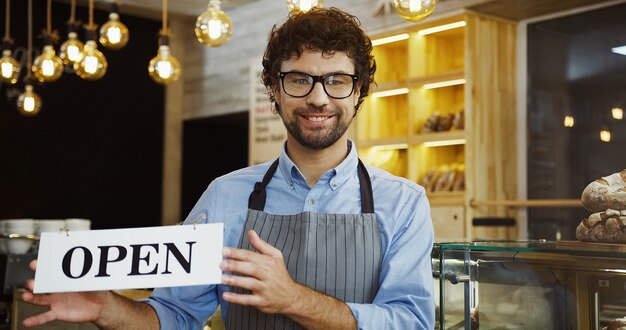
22	227
3	240
50	225
76	224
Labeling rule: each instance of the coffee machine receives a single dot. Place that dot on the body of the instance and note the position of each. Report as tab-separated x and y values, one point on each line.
14	271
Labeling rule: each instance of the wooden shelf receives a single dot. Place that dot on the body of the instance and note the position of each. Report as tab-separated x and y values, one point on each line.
382	142
438	77
437	136
451	198
390	85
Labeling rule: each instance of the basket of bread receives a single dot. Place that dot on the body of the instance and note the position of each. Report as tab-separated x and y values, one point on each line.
606	199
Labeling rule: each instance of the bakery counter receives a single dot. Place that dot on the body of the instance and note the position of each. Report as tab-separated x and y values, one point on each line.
530	285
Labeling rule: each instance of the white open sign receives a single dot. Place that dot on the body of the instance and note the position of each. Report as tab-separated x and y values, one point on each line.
134	258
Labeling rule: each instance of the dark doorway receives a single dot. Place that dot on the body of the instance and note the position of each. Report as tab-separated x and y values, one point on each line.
212	147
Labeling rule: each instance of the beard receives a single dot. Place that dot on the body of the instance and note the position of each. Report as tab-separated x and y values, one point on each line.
317	138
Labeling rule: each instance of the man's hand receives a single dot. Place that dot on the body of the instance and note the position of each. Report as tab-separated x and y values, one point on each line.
73	307
106	309
273	290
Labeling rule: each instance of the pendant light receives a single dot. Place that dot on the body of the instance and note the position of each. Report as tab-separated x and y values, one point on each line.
114	34
568	121
48	67
93	65
164	68
617	113
301	6
414	10
9	68
29	103
213	27
605	135
71	51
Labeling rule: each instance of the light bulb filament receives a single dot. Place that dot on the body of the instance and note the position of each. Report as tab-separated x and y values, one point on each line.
605	135
7	70
114	34
73	53
47	68
415	5
305	5
29	103
164	68
215	29
91	64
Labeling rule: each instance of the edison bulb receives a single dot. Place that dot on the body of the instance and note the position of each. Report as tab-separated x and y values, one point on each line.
71	50
213	27
414	10
605	135
28	103
296	6
9	68
93	65
47	67
568	121
164	68
114	34
617	113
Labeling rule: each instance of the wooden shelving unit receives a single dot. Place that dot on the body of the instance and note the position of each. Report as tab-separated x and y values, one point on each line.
442	73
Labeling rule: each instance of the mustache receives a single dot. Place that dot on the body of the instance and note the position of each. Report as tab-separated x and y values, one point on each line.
315	111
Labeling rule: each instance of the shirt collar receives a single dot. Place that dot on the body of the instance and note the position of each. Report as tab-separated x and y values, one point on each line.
342	172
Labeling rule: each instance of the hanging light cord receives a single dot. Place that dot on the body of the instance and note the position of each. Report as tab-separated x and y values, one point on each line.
73	12
29	58
165	31
7	23
49	18
91	26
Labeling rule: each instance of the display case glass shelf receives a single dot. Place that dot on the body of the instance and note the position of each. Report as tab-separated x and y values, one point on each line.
529	285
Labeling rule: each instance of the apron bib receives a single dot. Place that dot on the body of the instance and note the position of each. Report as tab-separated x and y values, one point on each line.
336	254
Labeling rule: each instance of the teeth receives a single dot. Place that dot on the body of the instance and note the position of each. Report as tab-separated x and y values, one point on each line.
317	118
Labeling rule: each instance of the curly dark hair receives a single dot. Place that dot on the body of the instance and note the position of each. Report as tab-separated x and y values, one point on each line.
328	30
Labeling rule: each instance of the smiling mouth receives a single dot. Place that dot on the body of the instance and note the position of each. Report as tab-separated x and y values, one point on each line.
317	118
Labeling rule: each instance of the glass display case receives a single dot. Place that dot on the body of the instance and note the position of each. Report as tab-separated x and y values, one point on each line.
529	285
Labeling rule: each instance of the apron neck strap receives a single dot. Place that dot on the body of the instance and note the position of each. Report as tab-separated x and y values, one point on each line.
257	198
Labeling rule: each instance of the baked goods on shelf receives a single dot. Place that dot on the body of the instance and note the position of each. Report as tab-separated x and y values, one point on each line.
446	178
617	324
608	226
606	193
458	121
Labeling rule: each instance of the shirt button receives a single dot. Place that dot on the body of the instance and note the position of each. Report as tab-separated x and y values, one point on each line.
334	185
311	201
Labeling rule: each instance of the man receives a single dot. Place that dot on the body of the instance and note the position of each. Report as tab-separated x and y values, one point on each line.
314	239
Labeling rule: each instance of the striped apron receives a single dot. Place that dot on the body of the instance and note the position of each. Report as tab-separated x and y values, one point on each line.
336	254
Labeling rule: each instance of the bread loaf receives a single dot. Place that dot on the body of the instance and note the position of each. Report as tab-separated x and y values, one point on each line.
617	324
606	193
607	227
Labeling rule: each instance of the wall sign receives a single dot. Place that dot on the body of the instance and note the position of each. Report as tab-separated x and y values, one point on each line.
134	258
266	130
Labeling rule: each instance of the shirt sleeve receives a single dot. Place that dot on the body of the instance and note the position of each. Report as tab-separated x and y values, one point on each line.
188	307
405	297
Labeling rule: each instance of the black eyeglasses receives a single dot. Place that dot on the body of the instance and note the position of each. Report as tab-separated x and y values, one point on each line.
300	84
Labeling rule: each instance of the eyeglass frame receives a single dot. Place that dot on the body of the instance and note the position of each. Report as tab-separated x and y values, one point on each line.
319	79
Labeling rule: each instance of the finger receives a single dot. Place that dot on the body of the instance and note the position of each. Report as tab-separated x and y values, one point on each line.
241	267
33	265
29	284
36	299
39	319
240	254
263	246
242	299
244	282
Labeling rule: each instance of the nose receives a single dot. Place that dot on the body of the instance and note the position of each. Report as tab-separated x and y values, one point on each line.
318	96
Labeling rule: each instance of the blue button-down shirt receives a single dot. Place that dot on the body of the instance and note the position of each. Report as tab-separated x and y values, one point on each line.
405	296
